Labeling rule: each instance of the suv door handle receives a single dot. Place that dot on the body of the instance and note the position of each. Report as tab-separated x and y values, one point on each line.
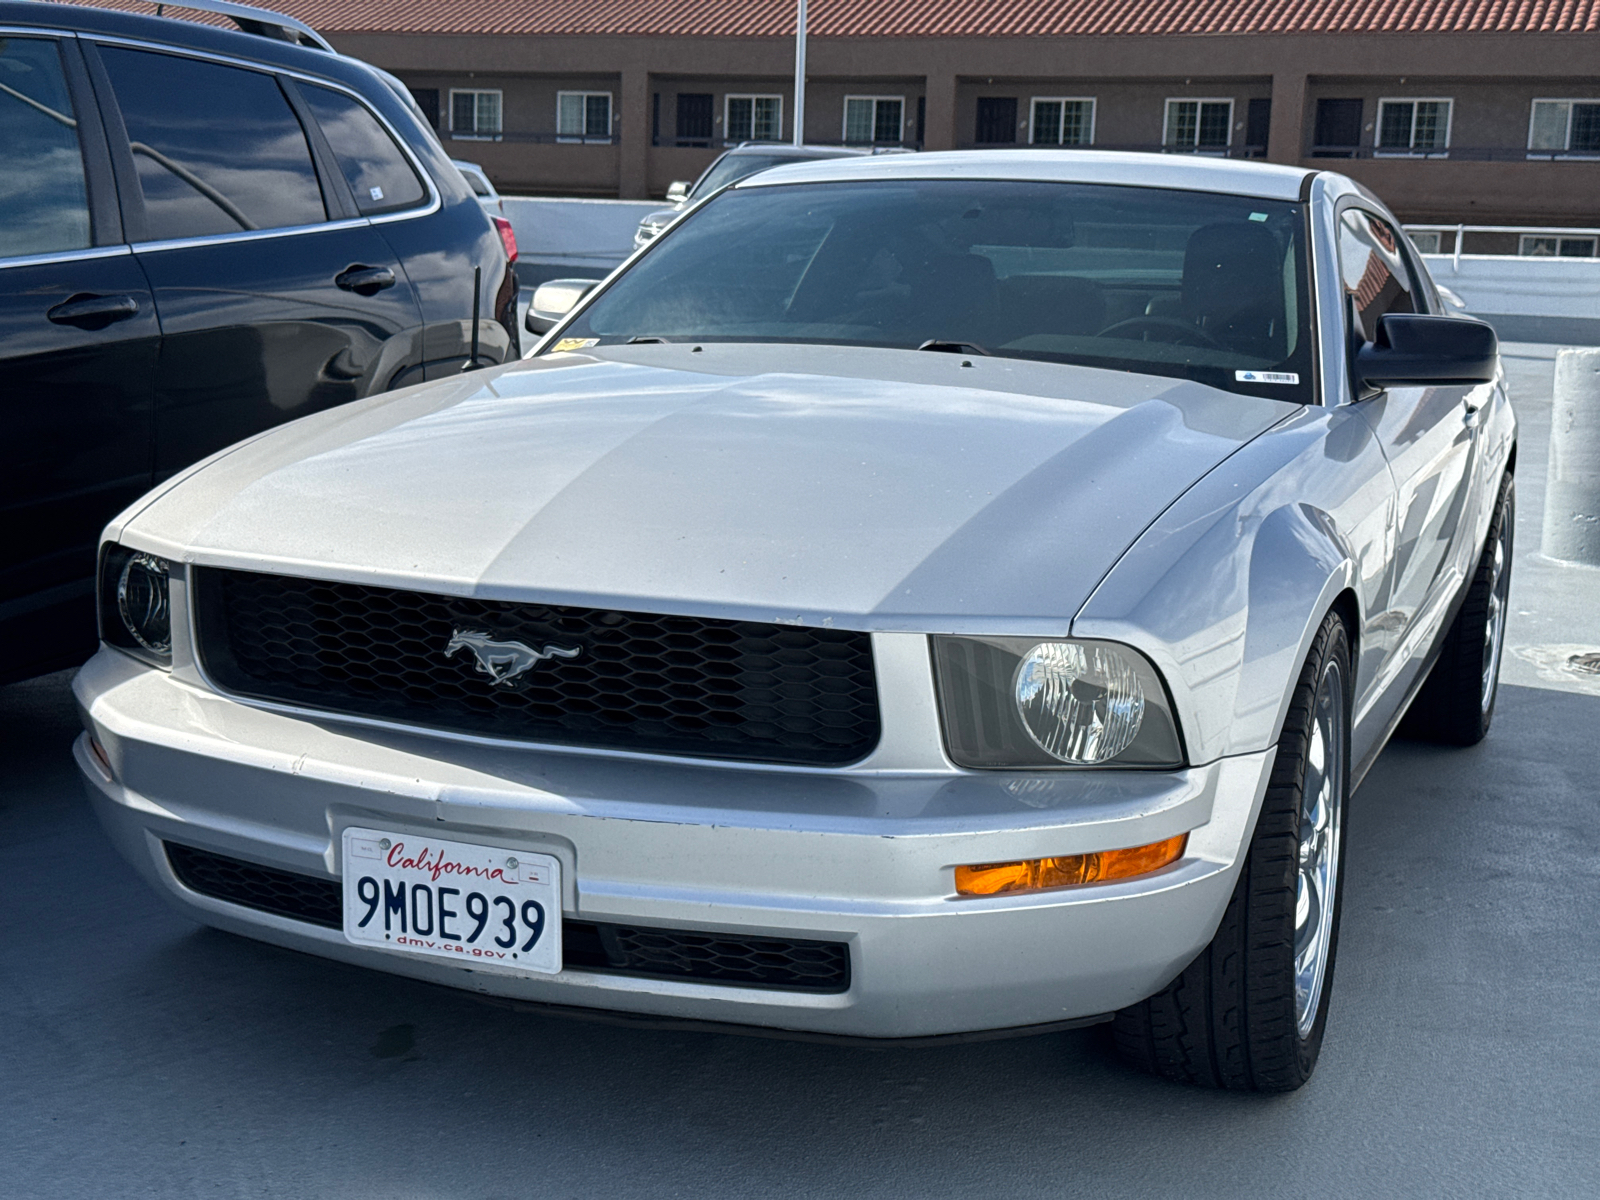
365	281
92	312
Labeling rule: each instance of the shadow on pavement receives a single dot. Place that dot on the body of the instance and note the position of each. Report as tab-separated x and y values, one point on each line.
146	1056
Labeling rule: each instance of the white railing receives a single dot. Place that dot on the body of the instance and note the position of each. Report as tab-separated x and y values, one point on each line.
1461	231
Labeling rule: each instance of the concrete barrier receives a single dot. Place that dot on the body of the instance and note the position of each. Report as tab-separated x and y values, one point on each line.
1572	487
1527	299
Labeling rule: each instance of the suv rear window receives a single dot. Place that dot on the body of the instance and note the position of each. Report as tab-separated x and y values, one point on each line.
43	205
378	173
218	149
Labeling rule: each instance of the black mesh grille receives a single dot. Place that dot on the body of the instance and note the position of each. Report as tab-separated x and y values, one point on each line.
284	893
671	685
788	964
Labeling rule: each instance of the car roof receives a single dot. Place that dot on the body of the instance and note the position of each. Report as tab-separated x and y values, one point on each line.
185	34
787	150
1267	181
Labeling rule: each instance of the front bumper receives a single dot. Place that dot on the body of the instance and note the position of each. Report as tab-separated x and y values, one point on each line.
867	859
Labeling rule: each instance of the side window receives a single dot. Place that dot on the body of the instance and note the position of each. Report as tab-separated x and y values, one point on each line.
44	206
218	149
1376	278
379	174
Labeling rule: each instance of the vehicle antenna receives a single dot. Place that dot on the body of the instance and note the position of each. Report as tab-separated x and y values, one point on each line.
472	363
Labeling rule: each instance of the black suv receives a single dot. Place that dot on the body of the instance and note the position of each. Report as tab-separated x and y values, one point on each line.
203	233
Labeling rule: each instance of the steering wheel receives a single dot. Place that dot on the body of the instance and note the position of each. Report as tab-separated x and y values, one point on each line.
1186	334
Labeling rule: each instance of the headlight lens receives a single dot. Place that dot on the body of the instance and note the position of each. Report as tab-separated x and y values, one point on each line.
1028	702
1079	703
136	603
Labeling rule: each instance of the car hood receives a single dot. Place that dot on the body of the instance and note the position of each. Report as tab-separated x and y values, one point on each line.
869	489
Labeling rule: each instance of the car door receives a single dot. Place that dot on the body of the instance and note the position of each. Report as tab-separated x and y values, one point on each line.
440	243
78	347
1427	434
276	296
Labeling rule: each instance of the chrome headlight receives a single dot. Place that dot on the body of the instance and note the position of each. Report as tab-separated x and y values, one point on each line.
136	604
1027	702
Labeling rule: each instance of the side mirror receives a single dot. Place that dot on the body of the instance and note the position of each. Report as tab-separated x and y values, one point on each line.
1412	350
677	192
554	300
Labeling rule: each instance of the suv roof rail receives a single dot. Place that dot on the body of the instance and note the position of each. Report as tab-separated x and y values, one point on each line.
261	21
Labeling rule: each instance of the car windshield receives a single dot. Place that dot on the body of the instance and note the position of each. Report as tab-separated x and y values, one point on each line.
733	167
1187	284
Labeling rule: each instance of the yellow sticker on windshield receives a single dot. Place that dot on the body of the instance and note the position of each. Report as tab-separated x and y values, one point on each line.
572	344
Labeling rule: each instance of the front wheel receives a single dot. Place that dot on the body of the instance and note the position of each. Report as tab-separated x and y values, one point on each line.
1248	1013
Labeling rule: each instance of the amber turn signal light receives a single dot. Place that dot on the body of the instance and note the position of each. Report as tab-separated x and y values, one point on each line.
1040	874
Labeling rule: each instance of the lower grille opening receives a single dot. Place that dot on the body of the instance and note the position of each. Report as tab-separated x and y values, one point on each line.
746	960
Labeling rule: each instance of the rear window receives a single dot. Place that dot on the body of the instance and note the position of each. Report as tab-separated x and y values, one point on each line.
1188	284
217	149
43	204
374	165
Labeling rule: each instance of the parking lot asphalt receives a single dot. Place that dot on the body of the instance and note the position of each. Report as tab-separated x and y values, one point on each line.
145	1056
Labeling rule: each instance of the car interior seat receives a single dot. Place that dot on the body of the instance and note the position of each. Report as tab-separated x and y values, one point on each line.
1233	287
1034	304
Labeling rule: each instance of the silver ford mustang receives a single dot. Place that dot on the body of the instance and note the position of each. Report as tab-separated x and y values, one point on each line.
915	596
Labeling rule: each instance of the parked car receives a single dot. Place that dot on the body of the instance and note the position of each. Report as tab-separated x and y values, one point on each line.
914	597
205	233
728	167
478	180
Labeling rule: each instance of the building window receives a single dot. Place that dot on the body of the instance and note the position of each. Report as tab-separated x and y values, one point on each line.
1062	121
1541	245
1565	127
752	118
872	120
1413	127
1337	132
475	114
694	118
583	117
1199	125
997	121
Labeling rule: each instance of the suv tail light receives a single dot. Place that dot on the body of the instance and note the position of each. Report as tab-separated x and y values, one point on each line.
508	237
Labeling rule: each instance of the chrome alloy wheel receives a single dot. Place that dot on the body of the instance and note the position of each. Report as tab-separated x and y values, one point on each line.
1494	627
1321	808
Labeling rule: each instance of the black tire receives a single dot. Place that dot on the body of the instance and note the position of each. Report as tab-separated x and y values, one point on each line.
1456	705
1231	1019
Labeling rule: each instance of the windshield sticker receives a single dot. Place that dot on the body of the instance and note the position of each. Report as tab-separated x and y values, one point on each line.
1258	216
572	344
1266	377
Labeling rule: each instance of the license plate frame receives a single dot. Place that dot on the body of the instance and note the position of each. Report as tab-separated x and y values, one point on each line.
466	889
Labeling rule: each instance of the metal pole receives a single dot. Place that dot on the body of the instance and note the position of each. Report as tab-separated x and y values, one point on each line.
800	73
1572	486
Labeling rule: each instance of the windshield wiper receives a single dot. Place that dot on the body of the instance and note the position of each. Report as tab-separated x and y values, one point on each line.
954	347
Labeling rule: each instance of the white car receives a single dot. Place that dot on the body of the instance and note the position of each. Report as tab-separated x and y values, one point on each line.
478	180
729	167
917	596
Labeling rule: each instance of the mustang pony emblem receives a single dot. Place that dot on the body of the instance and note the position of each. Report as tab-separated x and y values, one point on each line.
502	662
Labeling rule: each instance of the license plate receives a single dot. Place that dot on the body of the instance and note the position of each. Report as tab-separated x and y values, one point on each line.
477	906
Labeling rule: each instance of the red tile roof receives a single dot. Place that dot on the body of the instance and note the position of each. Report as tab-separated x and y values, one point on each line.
935	18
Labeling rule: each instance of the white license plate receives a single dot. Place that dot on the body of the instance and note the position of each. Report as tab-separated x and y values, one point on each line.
477	906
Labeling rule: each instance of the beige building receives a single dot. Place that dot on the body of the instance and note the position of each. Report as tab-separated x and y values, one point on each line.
1477	111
